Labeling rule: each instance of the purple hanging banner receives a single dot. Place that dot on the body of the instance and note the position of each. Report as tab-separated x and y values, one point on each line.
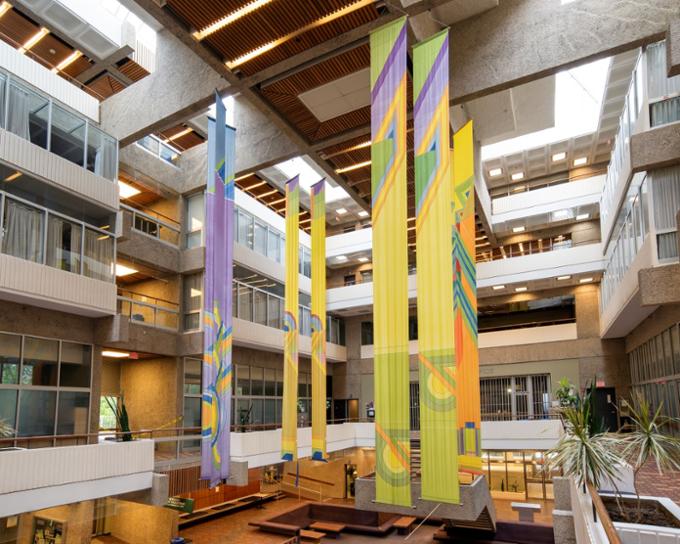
217	299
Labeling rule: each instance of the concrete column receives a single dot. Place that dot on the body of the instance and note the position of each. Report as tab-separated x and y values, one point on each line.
181	86
673	48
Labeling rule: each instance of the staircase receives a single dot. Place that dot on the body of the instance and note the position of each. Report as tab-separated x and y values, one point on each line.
415	458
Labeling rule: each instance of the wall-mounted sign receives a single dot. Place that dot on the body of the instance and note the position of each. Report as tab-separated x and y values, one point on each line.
181	504
48	531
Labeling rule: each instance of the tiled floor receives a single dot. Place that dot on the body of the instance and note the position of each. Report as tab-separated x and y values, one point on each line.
234	528
650	483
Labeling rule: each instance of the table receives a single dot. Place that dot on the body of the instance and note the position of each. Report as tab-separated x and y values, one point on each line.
332	529
314	536
403	524
526	510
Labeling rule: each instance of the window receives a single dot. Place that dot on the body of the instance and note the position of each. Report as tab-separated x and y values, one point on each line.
10	357
349	279
515	397
194	220
37	410
367	333
193	301
73	412
64	241
192	392
98	256
107	415
67	138
76	361
23	231
40	363
366	276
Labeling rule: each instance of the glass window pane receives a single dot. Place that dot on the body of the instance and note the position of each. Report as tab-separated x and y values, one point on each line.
8	407
260	307
76	360
195	220
102	153
279	383
40	362
260	238
73	411
269	382
192	412
256	384
27	115
274	311
10	353
64	241
68	135
3	85
23	226
244	229
98	256
245	303
257	411
242	380
273	245
269	411
193	291
36	412
192	376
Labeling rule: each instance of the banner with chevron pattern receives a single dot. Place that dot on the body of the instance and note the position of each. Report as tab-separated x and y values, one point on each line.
465	301
290	323
318	210
390	263
217	296
436	358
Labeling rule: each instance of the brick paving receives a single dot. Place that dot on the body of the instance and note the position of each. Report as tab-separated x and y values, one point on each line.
666	485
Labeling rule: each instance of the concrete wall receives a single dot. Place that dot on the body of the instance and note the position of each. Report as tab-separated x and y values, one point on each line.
141	524
77	518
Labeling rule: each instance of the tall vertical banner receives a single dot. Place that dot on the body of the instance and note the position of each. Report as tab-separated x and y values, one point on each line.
465	301
318	197
390	263
436	357
217	297
290	323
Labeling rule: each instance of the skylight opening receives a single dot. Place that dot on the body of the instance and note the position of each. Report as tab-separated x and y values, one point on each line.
578	103
308	177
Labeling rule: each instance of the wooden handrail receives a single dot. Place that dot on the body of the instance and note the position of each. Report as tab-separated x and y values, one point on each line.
315	480
605	520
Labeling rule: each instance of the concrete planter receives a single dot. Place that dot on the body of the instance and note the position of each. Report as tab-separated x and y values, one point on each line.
639	533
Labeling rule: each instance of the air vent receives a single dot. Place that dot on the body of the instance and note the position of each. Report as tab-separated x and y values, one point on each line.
63	19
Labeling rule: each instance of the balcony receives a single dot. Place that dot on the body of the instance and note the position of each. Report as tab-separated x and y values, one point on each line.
52	260
150	238
148	311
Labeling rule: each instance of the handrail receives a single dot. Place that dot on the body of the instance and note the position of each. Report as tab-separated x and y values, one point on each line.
149	305
315	480
143	295
150	217
605	520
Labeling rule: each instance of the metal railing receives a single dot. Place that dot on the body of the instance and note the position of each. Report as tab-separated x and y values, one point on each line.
77	258
164	151
37	117
148	311
150	225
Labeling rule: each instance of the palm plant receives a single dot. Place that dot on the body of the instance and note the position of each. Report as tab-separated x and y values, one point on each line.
650	440
590	457
5	429
122	419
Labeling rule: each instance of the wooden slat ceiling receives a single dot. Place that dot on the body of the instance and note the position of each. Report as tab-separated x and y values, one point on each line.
183	142
16	28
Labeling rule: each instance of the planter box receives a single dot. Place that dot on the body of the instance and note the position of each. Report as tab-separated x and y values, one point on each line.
639	533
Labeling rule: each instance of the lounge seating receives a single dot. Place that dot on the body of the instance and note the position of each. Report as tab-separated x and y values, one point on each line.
355	521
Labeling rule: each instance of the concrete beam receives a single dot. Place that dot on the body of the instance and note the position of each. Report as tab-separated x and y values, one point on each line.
99	67
673	48
181	86
655	148
659	285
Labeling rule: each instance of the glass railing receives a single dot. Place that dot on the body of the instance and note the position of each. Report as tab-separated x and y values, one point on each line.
529	247
158	147
148	310
146	223
35	233
259	306
663	91
37	118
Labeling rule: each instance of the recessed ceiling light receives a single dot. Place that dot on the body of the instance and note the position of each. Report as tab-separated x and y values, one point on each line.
519	188
67	61
33	40
520	289
582	216
585	280
127	191
14	176
122	270
363	259
179	135
580	161
341	211
4	8
363	213
518	229
517	176
341	258
115	354
352	167
559	156
228	19
495	172
561	214
562	278
498	287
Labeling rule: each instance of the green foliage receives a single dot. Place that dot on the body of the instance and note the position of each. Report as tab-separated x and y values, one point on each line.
566	393
122	420
5	429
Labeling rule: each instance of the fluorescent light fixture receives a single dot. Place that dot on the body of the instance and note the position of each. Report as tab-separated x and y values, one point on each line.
557	157
127	191
341	258
4	8
251	187
34	39
193	292
352	167
341	211
517	176
585	280
115	354
561	214
562	278
580	161
520	289
268	193
67	61
14	176
498	287
363	259
363	213
180	134
122	270
518	229
519	188
495	172
230	18
582	216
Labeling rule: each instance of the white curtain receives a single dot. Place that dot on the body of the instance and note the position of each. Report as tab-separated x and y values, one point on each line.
18	112
666	191
98	255
23	231
667	111
105	160
63	244
659	84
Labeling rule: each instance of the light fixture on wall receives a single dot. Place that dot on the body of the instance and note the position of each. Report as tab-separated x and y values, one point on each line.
517	176
495	172
498	287
580	161
341	258
520	289
363	259
585	280
14	176
582	216
557	157
562	278
115	354
518	229
352	167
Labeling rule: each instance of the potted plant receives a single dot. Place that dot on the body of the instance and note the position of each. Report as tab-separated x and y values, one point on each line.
5	429
566	393
122	420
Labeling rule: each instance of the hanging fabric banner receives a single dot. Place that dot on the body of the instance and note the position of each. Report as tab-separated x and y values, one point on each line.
290	323
390	263
318	194
217	296
436	357
465	301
